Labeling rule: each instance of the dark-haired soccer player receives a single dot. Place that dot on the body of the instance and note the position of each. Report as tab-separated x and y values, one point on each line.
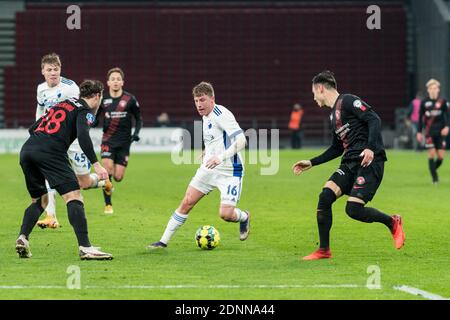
55	89
434	119
356	135
118	107
44	157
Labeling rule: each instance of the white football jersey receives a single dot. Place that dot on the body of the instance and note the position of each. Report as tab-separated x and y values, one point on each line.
48	97
219	131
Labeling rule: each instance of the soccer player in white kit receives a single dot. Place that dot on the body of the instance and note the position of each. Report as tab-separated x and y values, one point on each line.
56	89
221	168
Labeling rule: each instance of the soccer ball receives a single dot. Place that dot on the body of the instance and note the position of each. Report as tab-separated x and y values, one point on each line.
207	237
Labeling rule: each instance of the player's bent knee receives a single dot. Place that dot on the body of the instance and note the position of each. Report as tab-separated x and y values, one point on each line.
84	181
227	213
42	201
355	210
326	198
118	178
72	195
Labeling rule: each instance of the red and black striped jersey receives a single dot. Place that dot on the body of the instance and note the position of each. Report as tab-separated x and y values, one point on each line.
117	121
355	127
433	116
62	124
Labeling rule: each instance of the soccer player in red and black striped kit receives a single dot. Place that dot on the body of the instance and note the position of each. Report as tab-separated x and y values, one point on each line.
357	137
44	157
118	107
435	119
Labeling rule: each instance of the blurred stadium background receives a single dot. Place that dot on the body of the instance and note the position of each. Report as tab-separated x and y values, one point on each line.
260	56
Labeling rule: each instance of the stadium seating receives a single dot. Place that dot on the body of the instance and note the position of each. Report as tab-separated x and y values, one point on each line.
260	59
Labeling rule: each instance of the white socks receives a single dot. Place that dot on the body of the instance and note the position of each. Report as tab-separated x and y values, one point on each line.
176	221
51	207
96	183
241	216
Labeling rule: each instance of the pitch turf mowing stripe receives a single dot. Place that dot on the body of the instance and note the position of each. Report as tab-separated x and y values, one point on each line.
182	286
418	292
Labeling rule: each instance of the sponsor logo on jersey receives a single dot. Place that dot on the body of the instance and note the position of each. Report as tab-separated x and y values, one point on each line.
433	113
118	114
107	101
428	104
342	131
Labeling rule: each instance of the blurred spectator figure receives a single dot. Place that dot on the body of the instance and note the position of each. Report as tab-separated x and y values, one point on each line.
163	120
412	120
295	126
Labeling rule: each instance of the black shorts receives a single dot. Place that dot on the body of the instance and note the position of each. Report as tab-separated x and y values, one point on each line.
435	142
357	181
117	154
38	166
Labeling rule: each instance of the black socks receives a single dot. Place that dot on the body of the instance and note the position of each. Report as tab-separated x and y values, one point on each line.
77	218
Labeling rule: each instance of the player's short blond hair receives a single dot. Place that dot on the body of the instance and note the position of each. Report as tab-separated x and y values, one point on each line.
433	82
51	58
203	88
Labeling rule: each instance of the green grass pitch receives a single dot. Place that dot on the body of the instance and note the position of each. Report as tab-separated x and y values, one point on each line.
266	266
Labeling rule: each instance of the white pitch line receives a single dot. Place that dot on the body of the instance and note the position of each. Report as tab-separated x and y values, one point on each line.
225	286
218	286
419	292
33	287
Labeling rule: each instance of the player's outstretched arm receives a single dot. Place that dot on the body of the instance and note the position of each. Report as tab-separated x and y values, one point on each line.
83	135
335	150
301	166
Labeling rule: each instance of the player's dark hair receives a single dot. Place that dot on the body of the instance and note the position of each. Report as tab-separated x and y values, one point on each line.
89	88
326	78
116	69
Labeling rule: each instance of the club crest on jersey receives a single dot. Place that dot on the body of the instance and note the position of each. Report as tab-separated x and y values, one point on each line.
358	104
90	118
122	103
338	115
438	105
360	181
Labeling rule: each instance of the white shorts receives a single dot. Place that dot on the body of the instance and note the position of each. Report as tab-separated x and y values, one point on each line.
80	163
205	180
